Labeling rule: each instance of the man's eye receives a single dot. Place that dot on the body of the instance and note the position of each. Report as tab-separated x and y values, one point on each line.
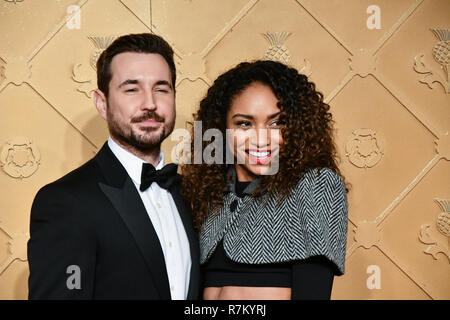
131	90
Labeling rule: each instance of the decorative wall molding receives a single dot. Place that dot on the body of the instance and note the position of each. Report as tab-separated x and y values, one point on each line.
367	234
100	44
363	148
443	219
20	158
443	146
2	71
87	77
363	63
193	67
17	247
17	70
277	51
441	53
436	245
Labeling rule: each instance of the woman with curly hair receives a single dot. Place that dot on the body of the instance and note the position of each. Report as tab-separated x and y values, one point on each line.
272	224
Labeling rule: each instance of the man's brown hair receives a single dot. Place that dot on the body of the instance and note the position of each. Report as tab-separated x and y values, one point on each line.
141	43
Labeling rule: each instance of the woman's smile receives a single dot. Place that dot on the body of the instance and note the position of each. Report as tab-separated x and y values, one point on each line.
259	157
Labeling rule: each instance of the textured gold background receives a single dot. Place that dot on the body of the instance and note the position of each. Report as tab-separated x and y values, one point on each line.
391	129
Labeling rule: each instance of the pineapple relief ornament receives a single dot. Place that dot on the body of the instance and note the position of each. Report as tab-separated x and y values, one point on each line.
441	53
277	51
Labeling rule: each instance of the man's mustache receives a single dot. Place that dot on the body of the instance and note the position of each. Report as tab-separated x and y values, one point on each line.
147	116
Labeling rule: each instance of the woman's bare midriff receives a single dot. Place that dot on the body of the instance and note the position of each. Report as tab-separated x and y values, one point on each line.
246	293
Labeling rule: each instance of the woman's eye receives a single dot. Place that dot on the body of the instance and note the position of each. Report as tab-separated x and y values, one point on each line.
277	123
243	124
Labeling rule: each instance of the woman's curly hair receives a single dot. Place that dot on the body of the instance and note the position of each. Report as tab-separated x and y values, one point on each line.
307	134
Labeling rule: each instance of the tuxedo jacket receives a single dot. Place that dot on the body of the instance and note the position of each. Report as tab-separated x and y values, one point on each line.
91	238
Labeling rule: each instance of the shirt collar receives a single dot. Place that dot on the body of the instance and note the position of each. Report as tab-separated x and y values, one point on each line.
231	178
131	163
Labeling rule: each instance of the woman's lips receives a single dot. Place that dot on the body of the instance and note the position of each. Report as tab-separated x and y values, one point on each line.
258	157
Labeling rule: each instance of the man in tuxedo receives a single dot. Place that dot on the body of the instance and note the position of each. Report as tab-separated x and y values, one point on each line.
117	227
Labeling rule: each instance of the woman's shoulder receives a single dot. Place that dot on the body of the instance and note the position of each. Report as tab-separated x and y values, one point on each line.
321	192
319	177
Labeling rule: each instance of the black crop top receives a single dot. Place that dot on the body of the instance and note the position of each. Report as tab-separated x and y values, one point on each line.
311	278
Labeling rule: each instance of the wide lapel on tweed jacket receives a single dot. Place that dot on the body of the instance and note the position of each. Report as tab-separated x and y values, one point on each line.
218	223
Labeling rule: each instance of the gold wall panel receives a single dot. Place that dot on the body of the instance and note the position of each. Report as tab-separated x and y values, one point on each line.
380	65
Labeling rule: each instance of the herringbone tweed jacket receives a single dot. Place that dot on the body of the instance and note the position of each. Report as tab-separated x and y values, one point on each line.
311	221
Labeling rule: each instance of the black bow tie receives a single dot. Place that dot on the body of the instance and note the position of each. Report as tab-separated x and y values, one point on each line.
164	177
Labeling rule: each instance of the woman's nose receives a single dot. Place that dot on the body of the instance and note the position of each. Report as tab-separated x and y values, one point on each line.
260	138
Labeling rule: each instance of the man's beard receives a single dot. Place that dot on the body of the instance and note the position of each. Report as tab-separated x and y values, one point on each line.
127	135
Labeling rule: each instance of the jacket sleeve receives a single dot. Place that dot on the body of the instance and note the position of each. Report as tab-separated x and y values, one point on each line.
324	218
61	248
312	279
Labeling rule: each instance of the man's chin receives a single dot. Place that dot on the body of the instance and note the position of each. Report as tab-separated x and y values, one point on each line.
142	141
146	143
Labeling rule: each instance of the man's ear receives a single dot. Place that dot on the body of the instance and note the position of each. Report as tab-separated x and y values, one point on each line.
100	102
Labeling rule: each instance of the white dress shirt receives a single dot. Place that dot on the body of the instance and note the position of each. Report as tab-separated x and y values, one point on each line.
166	220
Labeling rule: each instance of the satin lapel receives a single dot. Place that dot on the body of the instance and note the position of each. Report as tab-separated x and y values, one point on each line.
122	193
186	217
130	207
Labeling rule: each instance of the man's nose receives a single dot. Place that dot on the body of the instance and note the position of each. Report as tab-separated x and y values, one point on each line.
148	102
